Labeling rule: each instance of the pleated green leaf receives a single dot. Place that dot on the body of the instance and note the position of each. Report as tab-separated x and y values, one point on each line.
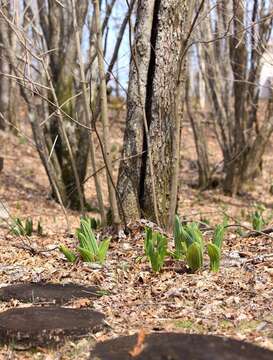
70	256
214	254
195	256
218	235
155	246
103	248
86	255
29	227
180	246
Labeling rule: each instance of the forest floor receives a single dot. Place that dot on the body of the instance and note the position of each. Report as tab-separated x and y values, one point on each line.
235	302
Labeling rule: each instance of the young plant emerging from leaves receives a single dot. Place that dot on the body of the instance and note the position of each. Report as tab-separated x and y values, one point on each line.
27	229
89	248
214	248
92	222
155	246
257	220
189	244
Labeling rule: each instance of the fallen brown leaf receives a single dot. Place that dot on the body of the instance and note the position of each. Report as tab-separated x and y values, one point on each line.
139	345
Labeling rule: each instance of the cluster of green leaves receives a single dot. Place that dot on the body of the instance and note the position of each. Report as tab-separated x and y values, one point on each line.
257	219
92	222
189	244
215	247
89	249
20	228
155	246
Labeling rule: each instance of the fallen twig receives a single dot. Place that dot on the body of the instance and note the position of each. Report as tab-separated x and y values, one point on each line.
32	250
259	258
255	233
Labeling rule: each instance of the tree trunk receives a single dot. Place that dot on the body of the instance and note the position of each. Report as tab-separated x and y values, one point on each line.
146	175
238	54
201	145
58	31
78	138
4	88
256	150
9	91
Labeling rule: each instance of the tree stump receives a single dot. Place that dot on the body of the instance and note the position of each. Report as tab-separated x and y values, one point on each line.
42	326
173	346
49	293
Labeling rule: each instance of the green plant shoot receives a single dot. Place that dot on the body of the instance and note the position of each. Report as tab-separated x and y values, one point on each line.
70	255
155	246
195	256
214	253
90	250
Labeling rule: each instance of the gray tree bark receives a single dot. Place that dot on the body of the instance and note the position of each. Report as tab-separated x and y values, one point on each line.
146	176
9	90
58	30
4	87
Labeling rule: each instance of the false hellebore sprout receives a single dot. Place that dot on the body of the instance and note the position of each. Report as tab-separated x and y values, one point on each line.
189	245
257	220
27	229
90	249
214	248
155	246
